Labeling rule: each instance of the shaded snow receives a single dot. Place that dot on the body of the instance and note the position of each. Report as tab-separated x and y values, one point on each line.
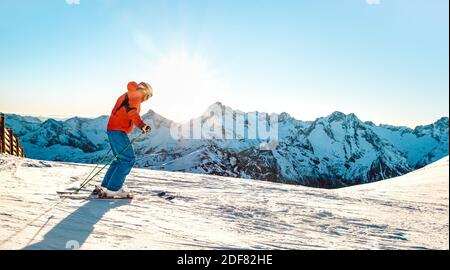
211	212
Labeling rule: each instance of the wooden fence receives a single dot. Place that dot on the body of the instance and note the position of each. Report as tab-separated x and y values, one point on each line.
9	143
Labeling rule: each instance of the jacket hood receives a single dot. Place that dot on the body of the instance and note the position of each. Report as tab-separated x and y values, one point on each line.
132	86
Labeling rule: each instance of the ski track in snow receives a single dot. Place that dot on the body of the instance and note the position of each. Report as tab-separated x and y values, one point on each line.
211	212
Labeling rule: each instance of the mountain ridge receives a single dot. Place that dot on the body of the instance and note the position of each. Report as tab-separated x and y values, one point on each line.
332	151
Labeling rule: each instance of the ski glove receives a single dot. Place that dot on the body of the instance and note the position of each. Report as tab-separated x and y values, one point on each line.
146	129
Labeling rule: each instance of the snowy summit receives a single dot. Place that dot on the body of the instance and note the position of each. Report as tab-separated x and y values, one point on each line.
333	151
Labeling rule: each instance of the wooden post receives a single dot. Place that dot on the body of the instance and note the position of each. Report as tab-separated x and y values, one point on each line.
11	140
9	143
2	133
17	146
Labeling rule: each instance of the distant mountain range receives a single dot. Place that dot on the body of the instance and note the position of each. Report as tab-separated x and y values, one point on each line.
332	151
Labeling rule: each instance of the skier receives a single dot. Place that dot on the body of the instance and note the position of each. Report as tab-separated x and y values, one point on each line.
124	115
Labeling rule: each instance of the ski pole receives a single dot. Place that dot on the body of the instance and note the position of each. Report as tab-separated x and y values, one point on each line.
96	166
109	163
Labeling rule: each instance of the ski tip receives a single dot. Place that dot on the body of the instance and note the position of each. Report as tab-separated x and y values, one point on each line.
66	192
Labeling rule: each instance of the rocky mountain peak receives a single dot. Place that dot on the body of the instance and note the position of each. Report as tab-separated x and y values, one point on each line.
332	151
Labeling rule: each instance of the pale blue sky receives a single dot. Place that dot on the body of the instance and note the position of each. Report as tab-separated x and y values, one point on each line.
386	62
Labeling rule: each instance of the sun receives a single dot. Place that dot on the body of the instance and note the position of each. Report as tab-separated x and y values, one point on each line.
185	84
185	79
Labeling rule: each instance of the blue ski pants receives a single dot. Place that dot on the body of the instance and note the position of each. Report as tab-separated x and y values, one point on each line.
120	167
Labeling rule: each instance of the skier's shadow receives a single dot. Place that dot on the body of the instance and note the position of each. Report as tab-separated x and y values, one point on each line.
72	231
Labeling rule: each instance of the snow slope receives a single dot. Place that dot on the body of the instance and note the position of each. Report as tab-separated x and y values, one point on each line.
212	212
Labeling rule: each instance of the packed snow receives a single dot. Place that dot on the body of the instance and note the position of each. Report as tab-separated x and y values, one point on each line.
212	212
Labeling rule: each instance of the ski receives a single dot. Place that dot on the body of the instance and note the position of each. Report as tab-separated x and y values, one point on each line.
75	196
83	196
72	191
91	197
67	192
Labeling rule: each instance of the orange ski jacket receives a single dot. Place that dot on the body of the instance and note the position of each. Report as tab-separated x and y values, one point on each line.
126	111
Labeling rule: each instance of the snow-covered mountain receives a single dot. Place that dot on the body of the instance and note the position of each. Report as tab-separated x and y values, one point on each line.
214	212
332	151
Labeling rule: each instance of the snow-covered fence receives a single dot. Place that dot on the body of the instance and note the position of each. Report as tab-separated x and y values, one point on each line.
9	143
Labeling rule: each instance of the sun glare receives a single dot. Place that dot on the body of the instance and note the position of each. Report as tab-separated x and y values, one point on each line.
185	85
